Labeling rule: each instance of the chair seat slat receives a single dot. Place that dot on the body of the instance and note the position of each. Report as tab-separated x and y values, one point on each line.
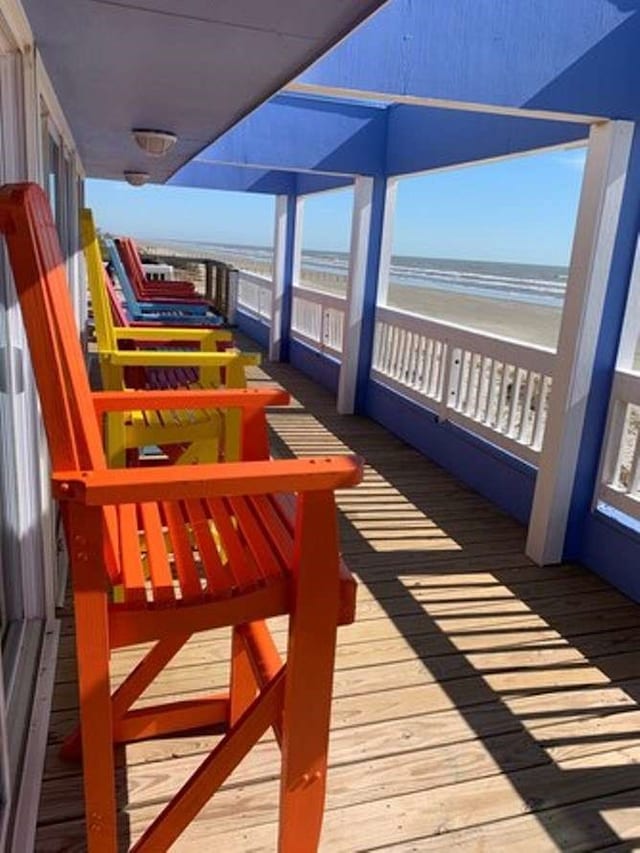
156	553
182	552
133	578
254	535
278	532
219	577
243	573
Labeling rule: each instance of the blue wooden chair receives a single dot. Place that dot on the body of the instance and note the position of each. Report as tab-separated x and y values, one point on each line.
167	312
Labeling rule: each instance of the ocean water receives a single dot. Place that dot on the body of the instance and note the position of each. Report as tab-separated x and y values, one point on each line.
531	283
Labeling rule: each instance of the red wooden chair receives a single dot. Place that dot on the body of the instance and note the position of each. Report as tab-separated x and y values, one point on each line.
223	546
154	290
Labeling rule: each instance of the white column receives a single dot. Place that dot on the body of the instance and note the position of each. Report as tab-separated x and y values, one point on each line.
386	244
630	336
596	227
369	259
287	246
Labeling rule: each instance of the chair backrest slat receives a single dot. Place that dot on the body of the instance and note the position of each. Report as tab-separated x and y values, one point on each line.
132	263
57	358
121	275
118	313
96	273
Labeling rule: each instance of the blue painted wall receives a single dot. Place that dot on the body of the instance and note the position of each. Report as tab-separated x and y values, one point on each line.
332	141
234	178
321	368
506	481
612	550
307	183
294	132
221	176
420	138
253	328
578	56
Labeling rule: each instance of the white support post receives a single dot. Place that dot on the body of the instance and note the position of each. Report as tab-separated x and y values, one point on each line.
287	246
596	228
617	413
630	337
386	244
368	269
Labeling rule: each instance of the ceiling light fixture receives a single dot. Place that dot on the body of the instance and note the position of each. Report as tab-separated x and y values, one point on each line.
156	143
136	179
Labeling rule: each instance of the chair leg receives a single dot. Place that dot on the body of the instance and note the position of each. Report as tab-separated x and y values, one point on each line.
116	440
96	721
130	689
92	650
309	681
243	685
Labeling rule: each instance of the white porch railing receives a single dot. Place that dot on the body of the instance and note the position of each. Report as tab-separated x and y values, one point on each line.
494	387
620	480
254	295
318	319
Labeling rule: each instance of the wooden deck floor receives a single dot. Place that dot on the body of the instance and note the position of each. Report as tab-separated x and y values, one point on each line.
481	703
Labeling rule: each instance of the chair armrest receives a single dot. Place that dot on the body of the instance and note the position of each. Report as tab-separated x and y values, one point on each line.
225	479
250	359
135	333
218	398
169	282
172	358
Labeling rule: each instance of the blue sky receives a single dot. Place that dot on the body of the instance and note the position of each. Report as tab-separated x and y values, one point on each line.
521	209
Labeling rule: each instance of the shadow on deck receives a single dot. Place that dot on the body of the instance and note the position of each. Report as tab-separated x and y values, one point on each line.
480	702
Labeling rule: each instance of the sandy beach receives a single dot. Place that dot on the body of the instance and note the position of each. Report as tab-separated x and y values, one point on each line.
533	324
526	322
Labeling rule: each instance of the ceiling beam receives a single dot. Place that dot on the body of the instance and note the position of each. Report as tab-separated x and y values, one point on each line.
306	134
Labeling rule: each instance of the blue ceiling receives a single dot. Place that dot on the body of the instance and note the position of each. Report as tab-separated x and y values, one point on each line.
195	67
562	56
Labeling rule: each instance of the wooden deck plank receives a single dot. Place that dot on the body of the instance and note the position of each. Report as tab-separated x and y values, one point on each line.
586	730
480	702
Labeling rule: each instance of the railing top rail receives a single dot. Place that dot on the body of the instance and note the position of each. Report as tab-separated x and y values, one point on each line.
255	278
155	256
626	386
532	356
329	300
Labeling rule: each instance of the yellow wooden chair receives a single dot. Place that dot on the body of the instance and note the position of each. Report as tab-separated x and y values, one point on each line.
158	362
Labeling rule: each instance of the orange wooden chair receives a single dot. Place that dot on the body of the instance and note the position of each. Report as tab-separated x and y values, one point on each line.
228	544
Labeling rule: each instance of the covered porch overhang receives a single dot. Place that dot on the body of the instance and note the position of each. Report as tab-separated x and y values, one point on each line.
419	88
388	101
333	142
193	69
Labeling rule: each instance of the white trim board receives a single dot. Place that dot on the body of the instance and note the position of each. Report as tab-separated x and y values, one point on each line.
345	93
279	267
23	832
